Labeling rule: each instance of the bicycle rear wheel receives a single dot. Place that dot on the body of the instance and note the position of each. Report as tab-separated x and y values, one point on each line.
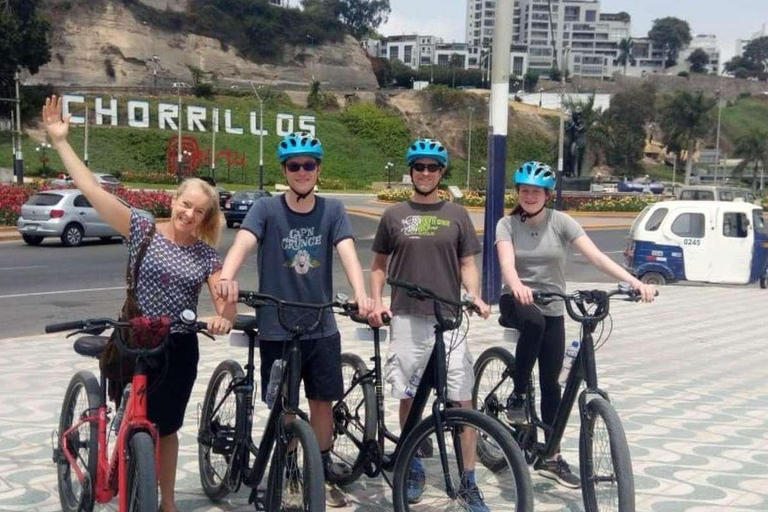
83	398
607	482
508	487
354	418
296	476
142	477
216	436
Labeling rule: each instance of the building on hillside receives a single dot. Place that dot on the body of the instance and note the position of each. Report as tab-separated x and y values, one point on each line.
708	43
415	51
741	44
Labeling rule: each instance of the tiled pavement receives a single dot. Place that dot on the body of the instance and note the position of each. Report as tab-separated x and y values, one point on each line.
688	376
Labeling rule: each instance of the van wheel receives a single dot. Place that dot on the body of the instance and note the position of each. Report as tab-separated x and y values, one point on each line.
653	278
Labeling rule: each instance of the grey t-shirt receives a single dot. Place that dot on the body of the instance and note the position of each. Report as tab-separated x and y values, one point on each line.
426	242
295	255
541	251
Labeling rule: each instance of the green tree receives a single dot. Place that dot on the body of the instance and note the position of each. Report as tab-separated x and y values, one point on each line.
626	53
554	74
672	34
698	60
531	80
24	41
753	63
686	118
753	149
619	133
361	17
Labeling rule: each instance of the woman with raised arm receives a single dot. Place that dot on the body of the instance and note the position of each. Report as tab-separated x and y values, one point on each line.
180	258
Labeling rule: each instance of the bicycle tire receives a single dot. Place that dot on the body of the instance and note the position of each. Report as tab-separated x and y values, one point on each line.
312	478
142	474
219	431
453	420
346	418
621	486
82	383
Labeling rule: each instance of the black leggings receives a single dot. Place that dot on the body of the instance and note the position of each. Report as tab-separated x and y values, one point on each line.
543	338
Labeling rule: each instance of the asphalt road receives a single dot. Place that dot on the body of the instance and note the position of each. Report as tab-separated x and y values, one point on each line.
52	283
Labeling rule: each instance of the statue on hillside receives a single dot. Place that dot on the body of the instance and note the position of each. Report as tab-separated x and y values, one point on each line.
575	131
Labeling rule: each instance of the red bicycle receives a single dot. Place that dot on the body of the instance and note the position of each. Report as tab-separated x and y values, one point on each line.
86	472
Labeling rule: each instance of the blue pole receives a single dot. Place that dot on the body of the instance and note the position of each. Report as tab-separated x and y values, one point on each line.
497	149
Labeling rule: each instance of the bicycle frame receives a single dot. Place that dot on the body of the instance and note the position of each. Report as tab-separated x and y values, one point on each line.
111	475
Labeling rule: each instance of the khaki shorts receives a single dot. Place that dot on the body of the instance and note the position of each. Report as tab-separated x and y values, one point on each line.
411	341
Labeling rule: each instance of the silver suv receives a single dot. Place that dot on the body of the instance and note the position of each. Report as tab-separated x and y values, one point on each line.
66	214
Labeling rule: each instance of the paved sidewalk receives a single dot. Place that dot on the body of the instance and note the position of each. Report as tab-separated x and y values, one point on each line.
686	374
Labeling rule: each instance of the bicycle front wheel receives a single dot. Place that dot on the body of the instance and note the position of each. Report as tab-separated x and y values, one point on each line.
82	399
216	437
296	477
142	477
354	418
607	483
422	485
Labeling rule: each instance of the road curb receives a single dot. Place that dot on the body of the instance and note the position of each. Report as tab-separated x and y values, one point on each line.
11	233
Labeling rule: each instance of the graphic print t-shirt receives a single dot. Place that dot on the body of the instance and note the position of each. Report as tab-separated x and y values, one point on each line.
426	242
295	255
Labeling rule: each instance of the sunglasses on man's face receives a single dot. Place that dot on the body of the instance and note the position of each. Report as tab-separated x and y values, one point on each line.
429	167
296	167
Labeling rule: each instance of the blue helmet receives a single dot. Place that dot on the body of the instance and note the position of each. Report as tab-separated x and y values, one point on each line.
427	148
535	174
299	144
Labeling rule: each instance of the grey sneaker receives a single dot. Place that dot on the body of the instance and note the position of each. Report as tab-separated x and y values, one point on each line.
559	471
516	412
334	496
472	498
417	481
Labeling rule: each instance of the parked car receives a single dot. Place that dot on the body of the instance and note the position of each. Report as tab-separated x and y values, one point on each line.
65	214
105	180
240	204
224	194
715	193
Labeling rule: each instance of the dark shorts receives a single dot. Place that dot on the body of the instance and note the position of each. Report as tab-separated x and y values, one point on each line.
170	385
320	366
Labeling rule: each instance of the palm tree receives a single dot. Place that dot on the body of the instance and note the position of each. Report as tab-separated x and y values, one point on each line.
753	148
626	53
686	119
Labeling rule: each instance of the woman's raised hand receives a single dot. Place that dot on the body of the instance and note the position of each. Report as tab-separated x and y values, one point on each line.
56	127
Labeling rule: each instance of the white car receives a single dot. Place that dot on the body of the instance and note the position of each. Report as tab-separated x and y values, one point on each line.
105	180
64	214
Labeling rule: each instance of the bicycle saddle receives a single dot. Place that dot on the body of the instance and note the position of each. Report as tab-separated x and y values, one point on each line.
91	346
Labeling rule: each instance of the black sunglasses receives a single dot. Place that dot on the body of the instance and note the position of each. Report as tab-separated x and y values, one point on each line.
296	167
429	167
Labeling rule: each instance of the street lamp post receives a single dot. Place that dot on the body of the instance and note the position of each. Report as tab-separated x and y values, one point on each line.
469	145
541	96
42	149
179	159
312	46
388	168
561	143
261	135
480	172
18	163
717	144
214	129
85	142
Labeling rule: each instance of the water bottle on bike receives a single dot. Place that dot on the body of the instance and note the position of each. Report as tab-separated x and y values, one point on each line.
570	356
274	381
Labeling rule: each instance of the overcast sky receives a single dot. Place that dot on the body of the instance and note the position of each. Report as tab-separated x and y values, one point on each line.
728	19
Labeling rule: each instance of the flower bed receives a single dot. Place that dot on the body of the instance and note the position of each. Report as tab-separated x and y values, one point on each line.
579	203
12	197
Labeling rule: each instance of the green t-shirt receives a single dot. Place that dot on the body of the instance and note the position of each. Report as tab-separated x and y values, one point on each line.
426	242
541	251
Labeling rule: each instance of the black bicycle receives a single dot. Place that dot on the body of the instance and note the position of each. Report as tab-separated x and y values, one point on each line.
607	481
443	442
225	443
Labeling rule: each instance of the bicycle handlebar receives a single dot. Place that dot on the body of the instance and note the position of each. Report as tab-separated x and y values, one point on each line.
258	300
65	326
421	293
581	297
